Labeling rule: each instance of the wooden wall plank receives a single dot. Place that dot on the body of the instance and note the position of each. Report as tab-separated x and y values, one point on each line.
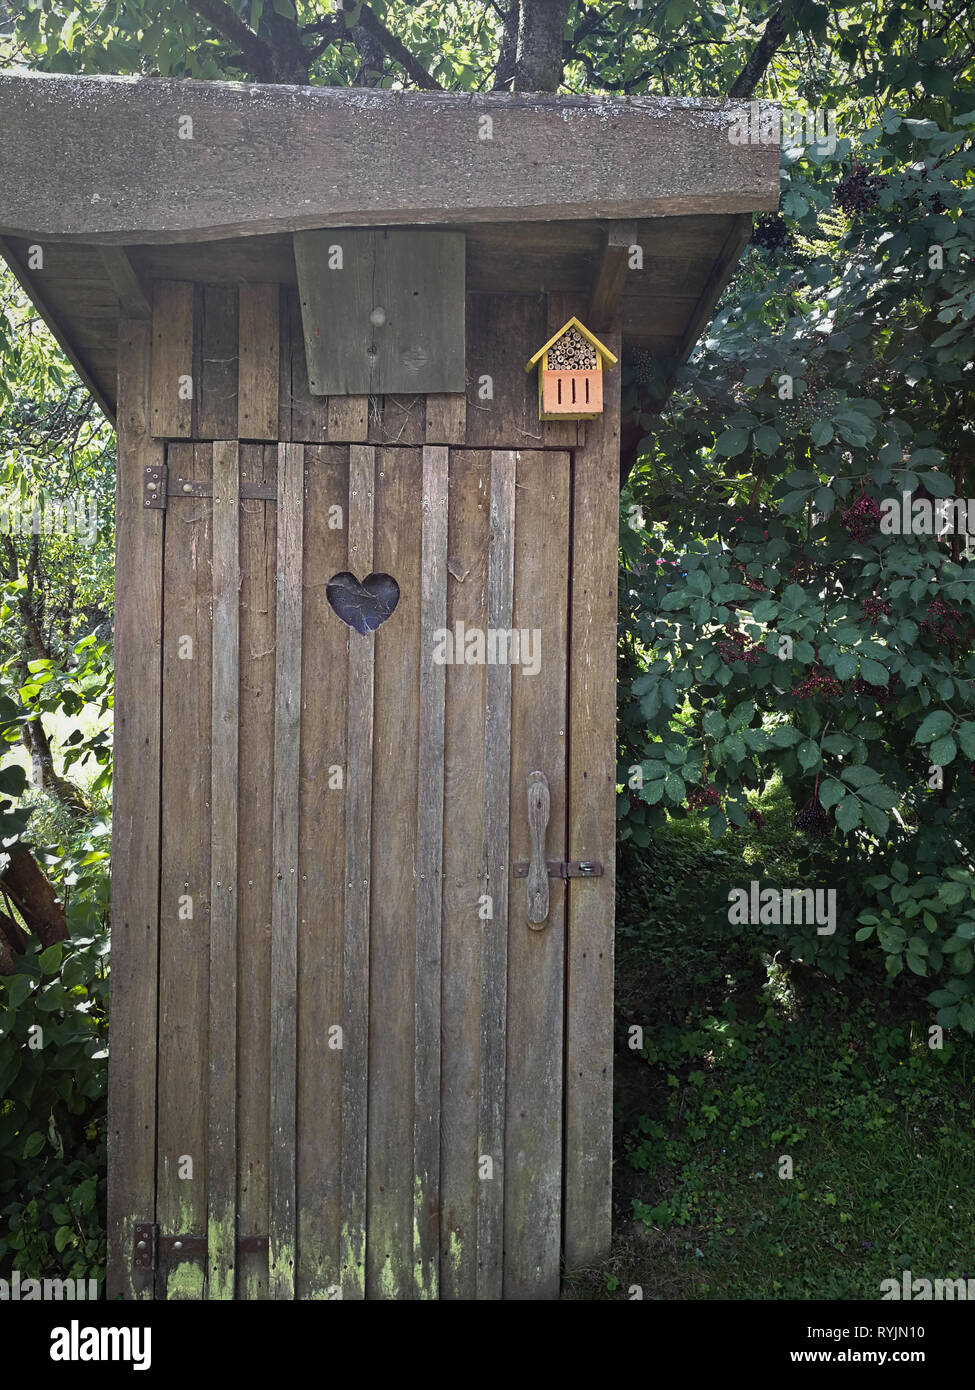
429	893
464	880
348	420
224	716
592	835
258	375
446	419
217	394
173	386
321	891
258	544
397	420
355	1020
309	414
559	308
135	822
503	332
185	882
284	908
533	1137
494	937
393	891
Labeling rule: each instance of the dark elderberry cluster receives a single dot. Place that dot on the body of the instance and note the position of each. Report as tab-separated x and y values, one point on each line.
883	694
770	233
757	819
873	608
817	682
699	797
736	647
813	819
947	626
858	191
862	519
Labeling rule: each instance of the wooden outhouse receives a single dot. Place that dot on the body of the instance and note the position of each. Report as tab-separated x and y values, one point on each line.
365	636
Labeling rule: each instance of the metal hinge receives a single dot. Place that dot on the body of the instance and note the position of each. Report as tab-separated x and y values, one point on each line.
150	1249
563	868
158	488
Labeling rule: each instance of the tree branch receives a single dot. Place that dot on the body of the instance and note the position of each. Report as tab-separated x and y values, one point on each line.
508	50
226	21
760	56
541	25
397	50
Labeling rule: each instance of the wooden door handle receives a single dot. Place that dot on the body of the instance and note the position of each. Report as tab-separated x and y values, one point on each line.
539	806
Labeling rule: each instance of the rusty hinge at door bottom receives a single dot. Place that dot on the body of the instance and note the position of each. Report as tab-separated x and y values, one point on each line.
150	1249
562	868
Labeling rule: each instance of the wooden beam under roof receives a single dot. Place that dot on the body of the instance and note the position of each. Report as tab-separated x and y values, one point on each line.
116	160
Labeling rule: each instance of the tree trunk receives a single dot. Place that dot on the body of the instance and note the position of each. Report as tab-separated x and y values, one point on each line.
541	28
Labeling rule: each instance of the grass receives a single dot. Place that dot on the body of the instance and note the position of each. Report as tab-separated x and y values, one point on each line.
749	1059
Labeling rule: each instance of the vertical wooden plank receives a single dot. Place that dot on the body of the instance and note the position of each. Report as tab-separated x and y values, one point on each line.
355	1021
502	398
321	891
216	398
258	545
225	692
464	885
397	420
533	1134
309	414
592	832
285	371
559	308
429	855
135	822
393	894
284	905
446	419
494	937
348	420
184	929
173	386
258	376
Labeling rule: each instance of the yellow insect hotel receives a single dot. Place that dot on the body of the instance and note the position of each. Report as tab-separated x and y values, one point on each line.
570	374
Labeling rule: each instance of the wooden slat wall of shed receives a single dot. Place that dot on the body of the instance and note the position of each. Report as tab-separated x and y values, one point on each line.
463	875
258	544
392	932
533	1139
498	327
321	890
592	834
184	939
135	824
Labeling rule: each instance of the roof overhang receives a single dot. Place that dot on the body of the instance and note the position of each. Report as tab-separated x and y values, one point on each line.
92	165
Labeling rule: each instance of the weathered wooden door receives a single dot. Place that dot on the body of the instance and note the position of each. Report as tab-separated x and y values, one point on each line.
376	1074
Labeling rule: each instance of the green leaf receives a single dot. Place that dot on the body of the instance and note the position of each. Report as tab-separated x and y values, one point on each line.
938	722
966	737
808	755
732	442
943	751
831	792
874	673
35	1142
848	813
821	433
767	440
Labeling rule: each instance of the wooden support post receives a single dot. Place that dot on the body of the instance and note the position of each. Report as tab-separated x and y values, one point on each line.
135	823
611	275
592	835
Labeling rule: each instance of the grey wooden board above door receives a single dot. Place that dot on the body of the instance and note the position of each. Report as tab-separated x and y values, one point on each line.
417	280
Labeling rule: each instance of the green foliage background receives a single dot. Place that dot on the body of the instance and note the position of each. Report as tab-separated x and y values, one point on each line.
837	367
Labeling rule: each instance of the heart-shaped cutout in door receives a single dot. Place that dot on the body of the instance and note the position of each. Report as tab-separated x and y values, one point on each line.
364	606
